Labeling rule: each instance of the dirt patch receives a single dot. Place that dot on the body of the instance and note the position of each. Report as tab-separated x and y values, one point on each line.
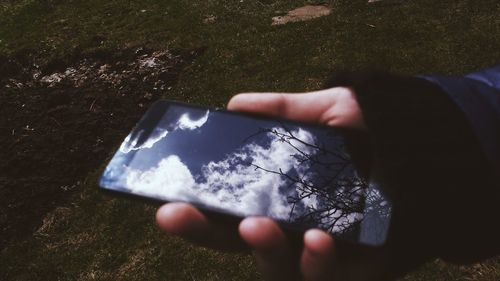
304	13
61	119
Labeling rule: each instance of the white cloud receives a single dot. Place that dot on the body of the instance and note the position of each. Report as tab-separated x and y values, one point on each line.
252	190
169	179
130	144
235	183
186	123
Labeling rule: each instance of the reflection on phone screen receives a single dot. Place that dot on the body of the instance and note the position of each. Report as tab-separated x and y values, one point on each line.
297	174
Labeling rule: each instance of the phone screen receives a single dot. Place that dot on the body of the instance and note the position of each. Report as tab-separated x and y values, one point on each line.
297	174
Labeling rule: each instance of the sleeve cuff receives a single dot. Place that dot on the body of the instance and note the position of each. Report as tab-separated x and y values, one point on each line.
428	161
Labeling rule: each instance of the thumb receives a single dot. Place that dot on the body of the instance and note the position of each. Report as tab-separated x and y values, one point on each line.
333	107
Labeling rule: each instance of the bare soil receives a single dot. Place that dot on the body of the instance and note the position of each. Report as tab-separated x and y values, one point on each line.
61	119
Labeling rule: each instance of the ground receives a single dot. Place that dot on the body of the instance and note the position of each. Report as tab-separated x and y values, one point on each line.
75	76
61	118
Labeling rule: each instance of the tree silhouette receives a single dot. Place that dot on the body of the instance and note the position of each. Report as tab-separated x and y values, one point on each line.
328	176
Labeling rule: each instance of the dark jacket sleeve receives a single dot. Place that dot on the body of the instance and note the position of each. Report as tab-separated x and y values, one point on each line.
434	156
478	96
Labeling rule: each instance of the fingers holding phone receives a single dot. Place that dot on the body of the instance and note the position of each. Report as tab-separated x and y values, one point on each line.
184	220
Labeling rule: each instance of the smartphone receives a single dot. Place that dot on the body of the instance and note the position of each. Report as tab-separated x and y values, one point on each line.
238	165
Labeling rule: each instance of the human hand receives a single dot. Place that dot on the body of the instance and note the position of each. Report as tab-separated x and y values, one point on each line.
276	257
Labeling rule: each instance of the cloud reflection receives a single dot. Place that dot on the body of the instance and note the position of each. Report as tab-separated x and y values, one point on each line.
186	123
169	179
136	141
133	143
234	182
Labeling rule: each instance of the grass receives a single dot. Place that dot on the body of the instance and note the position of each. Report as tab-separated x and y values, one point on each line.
98	238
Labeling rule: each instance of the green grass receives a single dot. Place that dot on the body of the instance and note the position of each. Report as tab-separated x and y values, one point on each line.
98	238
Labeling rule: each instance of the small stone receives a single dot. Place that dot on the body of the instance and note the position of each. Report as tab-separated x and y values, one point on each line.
304	13
209	19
